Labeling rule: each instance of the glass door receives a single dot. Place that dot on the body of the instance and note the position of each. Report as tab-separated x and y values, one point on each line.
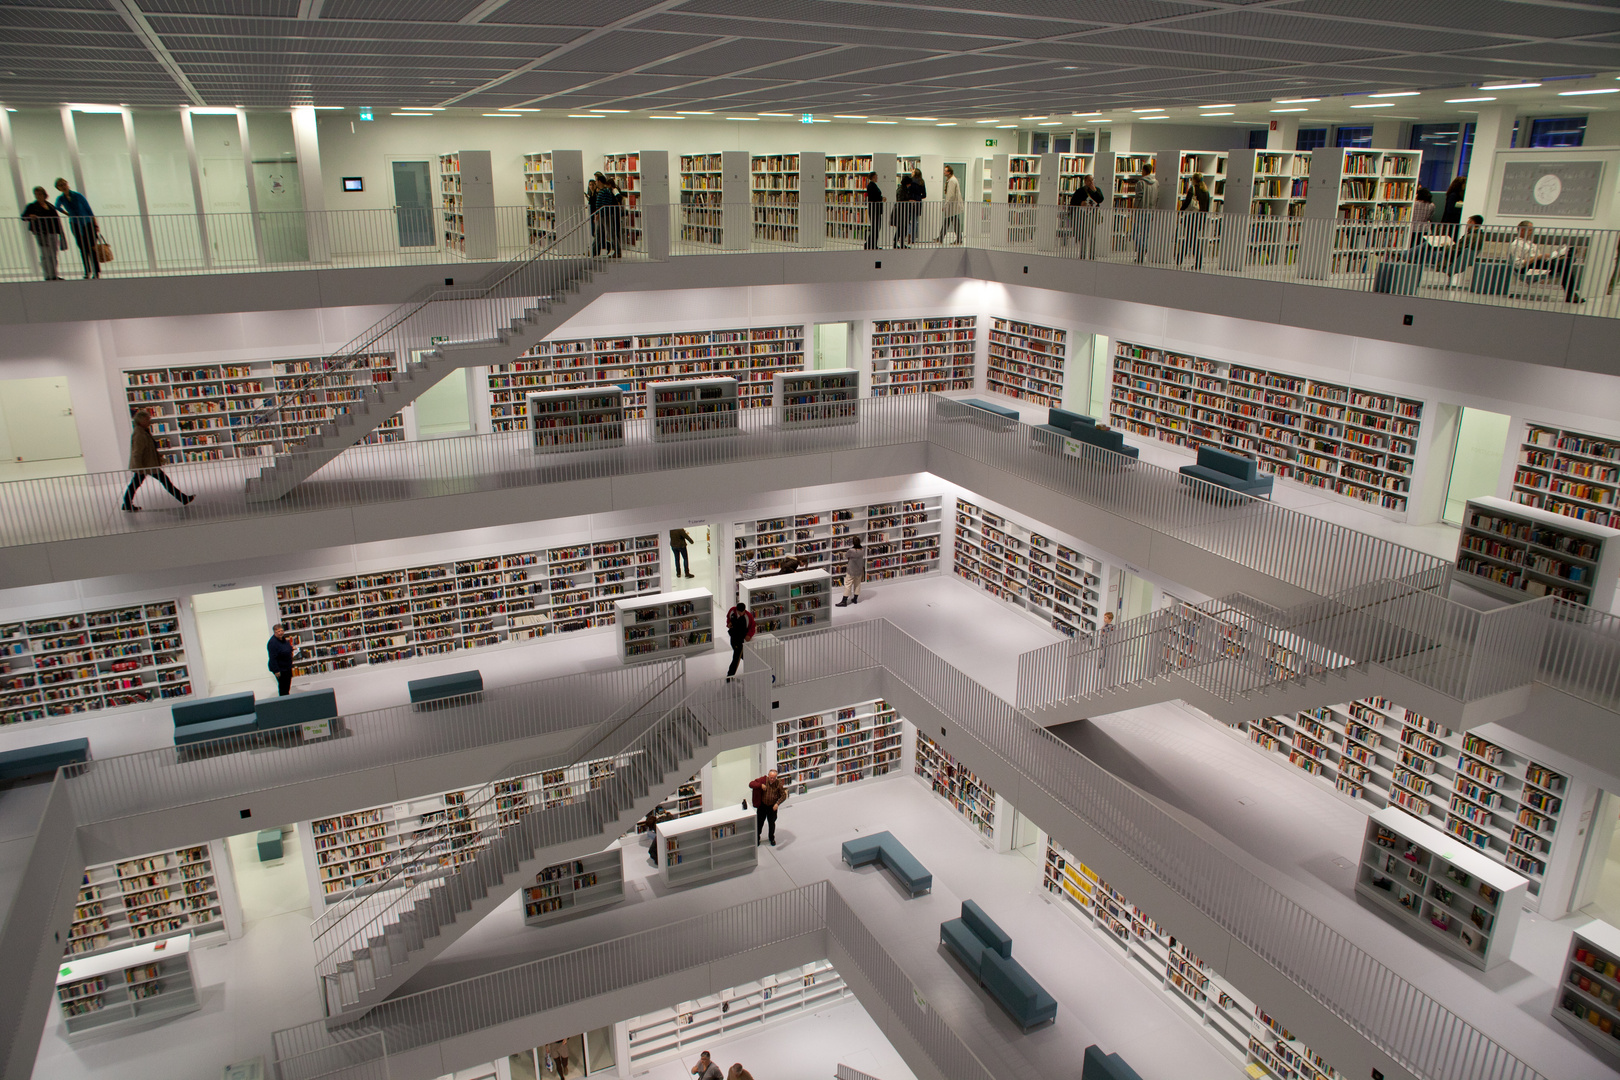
1476	460
413	204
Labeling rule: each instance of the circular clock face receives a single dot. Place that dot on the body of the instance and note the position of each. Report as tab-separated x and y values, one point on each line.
1547	189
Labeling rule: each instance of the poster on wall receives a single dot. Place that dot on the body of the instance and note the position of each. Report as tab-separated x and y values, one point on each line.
1550	189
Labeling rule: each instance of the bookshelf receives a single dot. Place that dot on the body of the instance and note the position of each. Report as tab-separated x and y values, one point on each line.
554	185
1357	443
789	603
1453	897
846	193
1270	185
693	408
669	624
924	355
692	1026
467	203
786	196
150	898
133	987
901	538
1589	990
684	801
751	355
384	616
1029	570
1241	1028
706	846
1017	182
1370	194
1570	473
715	193
1127	170
639	187
1026	361
574	887
956	784
1516	552
84	661
1211	163
825	750
576	419
1071	167
820	398
305	408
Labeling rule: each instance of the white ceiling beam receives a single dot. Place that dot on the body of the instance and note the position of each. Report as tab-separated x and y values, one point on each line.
136	19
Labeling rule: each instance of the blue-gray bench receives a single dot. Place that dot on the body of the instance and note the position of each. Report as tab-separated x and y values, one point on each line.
882	848
29	761
212	718
1100	1066
1060	425
443	689
995	417
985	949
294	710
270	845
1104	438
1228	470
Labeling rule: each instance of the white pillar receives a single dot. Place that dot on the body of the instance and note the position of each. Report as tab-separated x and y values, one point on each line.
1387	134
306	144
1284	134
1493	132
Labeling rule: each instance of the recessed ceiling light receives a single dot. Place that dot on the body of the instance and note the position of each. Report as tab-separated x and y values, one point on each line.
922	118
1004	127
507	115
781	114
1153	118
693	112
883	121
749	119
1086	114
1396	93
836	116
323	108
1380	105
1227	106
946	123
97	108
1511	86
209	110
1583	93
1032	118
1055	123
610	110
1297	100
1158	108
583	116
514	108
666	118
410	114
987	121
1290	110
1068	67
1461	100
440	108
1223	113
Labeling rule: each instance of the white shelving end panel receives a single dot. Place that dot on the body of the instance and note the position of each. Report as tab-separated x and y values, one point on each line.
790	603
671	620
689	852
583	885
1532	562
139	986
577	419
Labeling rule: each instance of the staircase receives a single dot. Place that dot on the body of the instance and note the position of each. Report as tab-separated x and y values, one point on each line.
369	950
437	332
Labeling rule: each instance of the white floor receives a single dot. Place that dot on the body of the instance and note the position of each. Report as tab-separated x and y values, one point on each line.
810	1048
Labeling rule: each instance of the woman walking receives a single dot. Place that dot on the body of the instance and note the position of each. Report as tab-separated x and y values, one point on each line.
145	460
953	207
854	572
1192	221
46	226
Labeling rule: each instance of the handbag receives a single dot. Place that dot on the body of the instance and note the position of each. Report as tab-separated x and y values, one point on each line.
104	252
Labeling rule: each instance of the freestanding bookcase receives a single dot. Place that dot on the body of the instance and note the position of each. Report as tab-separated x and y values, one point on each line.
669	624
1519	552
1448	894
715	192
788	193
789	603
467	187
554	184
585	419
1269	186
1589	992
707	845
846	194
643	176
837	747
817	398
132	987
693	408
1369	195
1570	473
576	886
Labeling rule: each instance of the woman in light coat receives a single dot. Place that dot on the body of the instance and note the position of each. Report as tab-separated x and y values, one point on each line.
953	207
854	572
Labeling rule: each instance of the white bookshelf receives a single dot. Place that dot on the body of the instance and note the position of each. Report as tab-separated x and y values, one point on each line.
706	846
643	177
789	603
574	887
1452	897
134	987
692	1026
670	624
846	175
85	661
1570	473
1518	552
715	194
156	896
788	194
1020	183
1071	167
554	186
1270	186
1211	163
924	355
1588	1000
819	398
1045	577
901	538
1358	443
576	419
1242	1029
388	615
842	746
1370	195
1026	361
958	785
467	203
693	408
684	801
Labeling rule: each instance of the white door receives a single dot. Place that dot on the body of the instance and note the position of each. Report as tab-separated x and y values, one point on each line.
232	628
36	420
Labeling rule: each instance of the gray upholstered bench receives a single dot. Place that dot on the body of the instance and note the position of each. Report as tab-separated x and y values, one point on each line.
445	689
985	949
1060	425
208	718
270	845
295	710
1100	1066
1228	470
983	413
882	848
44	758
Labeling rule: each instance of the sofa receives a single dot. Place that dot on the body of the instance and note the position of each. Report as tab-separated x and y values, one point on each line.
1097	1065
882	848
1059	425
983	413
44	758
1228	470
1103	438
985	949
202	719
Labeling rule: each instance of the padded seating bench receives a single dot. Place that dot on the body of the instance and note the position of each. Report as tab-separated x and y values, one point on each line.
442	688
45	758
1100	1066
884	849
1060	424
986	950
1231	471
270	846
212	718
1103	438
295	709
994	417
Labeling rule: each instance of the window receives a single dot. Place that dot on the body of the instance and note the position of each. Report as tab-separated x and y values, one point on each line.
1257	138
1439	145
1353	136
1310	138
1556	131
1467	150
1039	142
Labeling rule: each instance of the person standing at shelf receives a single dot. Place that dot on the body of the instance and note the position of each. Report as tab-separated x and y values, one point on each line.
46	225
768	797
1083	201
953	208
789	565
650	826
1452	214
145	460
613	210
740	629
706	1069
854	572
82	220
1147	201
281	648
679	539
1422	214
913	212
598	196
874	213
747	566
1192	221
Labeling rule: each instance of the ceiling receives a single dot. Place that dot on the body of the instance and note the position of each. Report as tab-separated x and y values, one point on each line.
961	59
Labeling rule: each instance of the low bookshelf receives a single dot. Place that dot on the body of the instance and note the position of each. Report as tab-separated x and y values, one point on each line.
1026	361
133	987
1449	895
817	398
924	355
735	1012
1570	473
693	408
789	603
901	538
1519	552
575	887
706	846
670	624
576	419
1588	999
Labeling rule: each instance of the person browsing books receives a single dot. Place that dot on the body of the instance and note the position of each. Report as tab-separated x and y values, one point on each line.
706	1069
854	572
768	796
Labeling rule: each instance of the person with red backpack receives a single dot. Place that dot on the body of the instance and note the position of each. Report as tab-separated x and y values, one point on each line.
740	628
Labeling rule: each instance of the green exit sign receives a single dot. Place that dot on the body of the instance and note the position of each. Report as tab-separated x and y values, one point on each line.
989	142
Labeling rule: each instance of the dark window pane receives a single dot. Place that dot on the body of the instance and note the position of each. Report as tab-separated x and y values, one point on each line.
1353	136
1556	131
1310	138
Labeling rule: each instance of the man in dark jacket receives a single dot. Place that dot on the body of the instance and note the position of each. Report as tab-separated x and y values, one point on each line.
145	460
679	539
281	648
768	794
740	628
874	212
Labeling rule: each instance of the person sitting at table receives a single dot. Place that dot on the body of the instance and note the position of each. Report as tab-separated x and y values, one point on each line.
1557	261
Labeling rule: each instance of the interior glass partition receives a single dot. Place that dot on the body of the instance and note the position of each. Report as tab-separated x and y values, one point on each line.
278	186
170	198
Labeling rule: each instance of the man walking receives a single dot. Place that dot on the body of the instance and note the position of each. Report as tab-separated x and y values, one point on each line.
281	648
82	221
768	795
740	628
679	539
145	460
